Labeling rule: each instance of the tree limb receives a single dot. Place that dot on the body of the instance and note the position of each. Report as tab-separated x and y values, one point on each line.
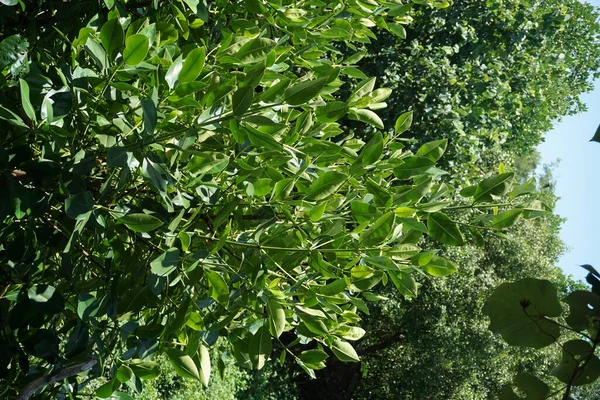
46	380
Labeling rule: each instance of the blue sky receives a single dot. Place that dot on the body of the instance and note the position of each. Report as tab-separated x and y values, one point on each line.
576	183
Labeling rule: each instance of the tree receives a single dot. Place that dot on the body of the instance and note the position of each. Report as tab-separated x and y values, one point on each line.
175	174
491	76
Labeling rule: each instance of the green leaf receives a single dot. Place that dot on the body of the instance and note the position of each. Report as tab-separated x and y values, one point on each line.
136	49
433	150
344	351
259	347
333	288
301	93
331	112
183	364
403	122
106	390
150	117
379	231
397	30
443	229
413	166
575	354
495	186
242	100
144	369
404	282
166	263
192	66
366	116
584	307
220	290
362	90
111	36
439	266
506	219
373	149
326	185
277	318
25	100
205	367
140	222
79	204
313	358
172	75
519	311
255	50
124	374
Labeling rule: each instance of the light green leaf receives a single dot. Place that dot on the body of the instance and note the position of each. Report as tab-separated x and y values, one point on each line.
362	90
183	364
443	229
255	50
136	49
439	266
192	66
220	290
333	288
325	185
413	166
344	351
433	150
379	231
172	75
301	93
404	282
166	263
313	358
205	367
25	100
506	219
276	317
140	222
144	369
124	374
366	116
403	122
495	186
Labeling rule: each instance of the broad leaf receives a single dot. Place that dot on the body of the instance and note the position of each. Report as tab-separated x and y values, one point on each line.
519	311
183	364
326	185
443	229
166	263
344	351
192	66
136	49
303	92
578	354
140	222
379	231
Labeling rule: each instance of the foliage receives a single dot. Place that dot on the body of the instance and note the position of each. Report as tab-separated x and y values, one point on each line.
176	174
492	76
525	312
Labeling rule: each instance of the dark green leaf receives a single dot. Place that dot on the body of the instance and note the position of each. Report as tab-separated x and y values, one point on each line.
276	317
331	112
576	354
220	290
144	369
242	100
443	229
519	311
506	219
259	347
413	166
111	36
150	117
79	204
433	150
140	222
301	93
255	50
404	282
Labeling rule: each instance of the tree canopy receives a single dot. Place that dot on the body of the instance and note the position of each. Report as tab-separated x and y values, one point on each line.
181	178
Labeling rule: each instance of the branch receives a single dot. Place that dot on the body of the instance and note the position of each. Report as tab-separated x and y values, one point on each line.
46	380
397	338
